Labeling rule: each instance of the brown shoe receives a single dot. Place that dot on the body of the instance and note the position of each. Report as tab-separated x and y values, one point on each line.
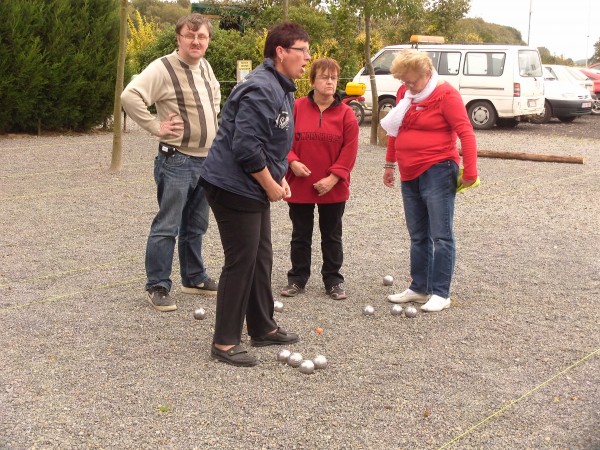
337	292
291	290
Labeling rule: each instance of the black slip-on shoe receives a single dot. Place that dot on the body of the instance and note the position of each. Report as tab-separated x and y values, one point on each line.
236	356
280	337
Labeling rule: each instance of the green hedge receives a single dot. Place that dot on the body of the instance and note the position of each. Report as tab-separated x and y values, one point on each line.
57	64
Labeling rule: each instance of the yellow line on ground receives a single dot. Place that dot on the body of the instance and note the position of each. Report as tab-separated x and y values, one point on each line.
515	401
80	169
71	190
69	272
72	294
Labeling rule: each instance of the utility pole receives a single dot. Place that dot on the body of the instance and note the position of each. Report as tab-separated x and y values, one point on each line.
529	25
285	10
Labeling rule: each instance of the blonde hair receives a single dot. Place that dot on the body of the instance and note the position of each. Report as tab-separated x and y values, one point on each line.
410	61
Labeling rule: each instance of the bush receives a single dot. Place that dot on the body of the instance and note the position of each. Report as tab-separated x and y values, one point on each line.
66	55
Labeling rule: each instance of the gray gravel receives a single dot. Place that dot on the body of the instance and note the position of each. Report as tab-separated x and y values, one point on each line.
515	363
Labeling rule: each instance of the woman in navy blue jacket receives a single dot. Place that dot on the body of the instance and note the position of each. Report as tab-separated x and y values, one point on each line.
243	173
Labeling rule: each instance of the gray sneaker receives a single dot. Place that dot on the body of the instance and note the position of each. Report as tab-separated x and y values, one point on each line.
208	286
159	297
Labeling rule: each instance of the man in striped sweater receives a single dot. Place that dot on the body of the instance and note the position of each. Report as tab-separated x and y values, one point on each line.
187	96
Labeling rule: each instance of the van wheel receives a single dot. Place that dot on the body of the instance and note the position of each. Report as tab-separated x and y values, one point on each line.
359	111
507	123
544	117
386	104
482	115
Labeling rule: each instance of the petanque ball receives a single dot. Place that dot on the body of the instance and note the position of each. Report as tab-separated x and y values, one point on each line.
388	280
199	314
278	306
410	312
320	362
283	355
307	366
295	359
368	310
396	310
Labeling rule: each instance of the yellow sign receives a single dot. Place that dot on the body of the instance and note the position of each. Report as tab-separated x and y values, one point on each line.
244	66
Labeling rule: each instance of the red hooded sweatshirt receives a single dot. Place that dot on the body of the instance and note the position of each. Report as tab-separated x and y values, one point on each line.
326	143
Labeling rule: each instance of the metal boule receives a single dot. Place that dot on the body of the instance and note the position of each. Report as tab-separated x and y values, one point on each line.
283	355
277	306
199	314
388	280
396	310
320	362
295	359
410	312
307	366
368	310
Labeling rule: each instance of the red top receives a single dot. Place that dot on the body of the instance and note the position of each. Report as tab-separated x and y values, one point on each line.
326	143
428	134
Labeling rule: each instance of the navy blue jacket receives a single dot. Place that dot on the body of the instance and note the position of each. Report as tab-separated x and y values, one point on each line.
256	131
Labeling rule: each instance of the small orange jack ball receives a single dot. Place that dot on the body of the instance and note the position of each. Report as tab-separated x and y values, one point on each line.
319	330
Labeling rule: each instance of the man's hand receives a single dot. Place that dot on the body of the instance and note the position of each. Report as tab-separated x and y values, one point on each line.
170	127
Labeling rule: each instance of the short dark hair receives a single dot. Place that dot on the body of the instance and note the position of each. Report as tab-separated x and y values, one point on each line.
194	22
284	35
324	65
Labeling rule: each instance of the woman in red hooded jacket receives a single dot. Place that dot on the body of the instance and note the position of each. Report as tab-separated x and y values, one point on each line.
320	162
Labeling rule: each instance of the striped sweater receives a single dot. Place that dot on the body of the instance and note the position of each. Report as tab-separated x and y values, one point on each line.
174	86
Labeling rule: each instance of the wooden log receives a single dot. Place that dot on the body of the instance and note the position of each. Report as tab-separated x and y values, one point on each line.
529	157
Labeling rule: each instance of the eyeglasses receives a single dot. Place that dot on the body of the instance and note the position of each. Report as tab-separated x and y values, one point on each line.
411	83
300	49
328	77
193	37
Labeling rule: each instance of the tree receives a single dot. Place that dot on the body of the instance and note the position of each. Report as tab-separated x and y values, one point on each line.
117	151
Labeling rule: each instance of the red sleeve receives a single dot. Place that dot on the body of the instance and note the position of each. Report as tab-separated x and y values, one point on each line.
455	114
347	157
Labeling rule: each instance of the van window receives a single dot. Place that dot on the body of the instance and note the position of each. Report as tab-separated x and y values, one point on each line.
489	64
449	63
529	64
381	65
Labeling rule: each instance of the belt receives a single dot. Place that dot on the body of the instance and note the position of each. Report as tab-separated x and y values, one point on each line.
166	150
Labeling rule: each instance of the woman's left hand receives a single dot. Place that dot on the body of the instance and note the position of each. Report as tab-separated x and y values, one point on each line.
466	183
324	185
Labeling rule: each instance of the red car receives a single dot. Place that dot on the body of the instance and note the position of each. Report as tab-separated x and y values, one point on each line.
594	75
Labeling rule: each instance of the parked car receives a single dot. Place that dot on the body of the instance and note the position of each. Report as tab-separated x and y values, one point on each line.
567	73
565	100
594	75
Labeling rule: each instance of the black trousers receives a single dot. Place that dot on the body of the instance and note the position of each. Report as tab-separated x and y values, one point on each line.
245	282
330	226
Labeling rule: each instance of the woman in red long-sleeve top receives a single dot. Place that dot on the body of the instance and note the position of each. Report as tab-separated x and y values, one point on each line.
320	162
422	132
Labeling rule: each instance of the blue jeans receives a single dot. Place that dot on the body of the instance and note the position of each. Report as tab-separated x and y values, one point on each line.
182	211
429	211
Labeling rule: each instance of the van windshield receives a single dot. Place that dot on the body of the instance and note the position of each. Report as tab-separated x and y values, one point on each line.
529	63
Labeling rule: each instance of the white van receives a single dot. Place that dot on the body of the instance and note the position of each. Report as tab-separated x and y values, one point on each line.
499	83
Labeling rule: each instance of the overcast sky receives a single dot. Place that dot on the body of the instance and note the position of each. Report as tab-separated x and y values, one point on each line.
565	27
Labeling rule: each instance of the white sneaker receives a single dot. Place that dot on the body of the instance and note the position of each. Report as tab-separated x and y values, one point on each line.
435	304
408	296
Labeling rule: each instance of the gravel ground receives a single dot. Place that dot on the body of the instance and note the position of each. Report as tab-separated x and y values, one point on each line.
515	363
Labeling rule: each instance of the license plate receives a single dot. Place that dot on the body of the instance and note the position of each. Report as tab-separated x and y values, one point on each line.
531	103
586	105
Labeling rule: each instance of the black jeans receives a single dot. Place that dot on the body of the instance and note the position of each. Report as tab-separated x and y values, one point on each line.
245	282
330	226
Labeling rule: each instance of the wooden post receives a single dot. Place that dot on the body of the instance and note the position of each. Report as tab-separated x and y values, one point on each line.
529	156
